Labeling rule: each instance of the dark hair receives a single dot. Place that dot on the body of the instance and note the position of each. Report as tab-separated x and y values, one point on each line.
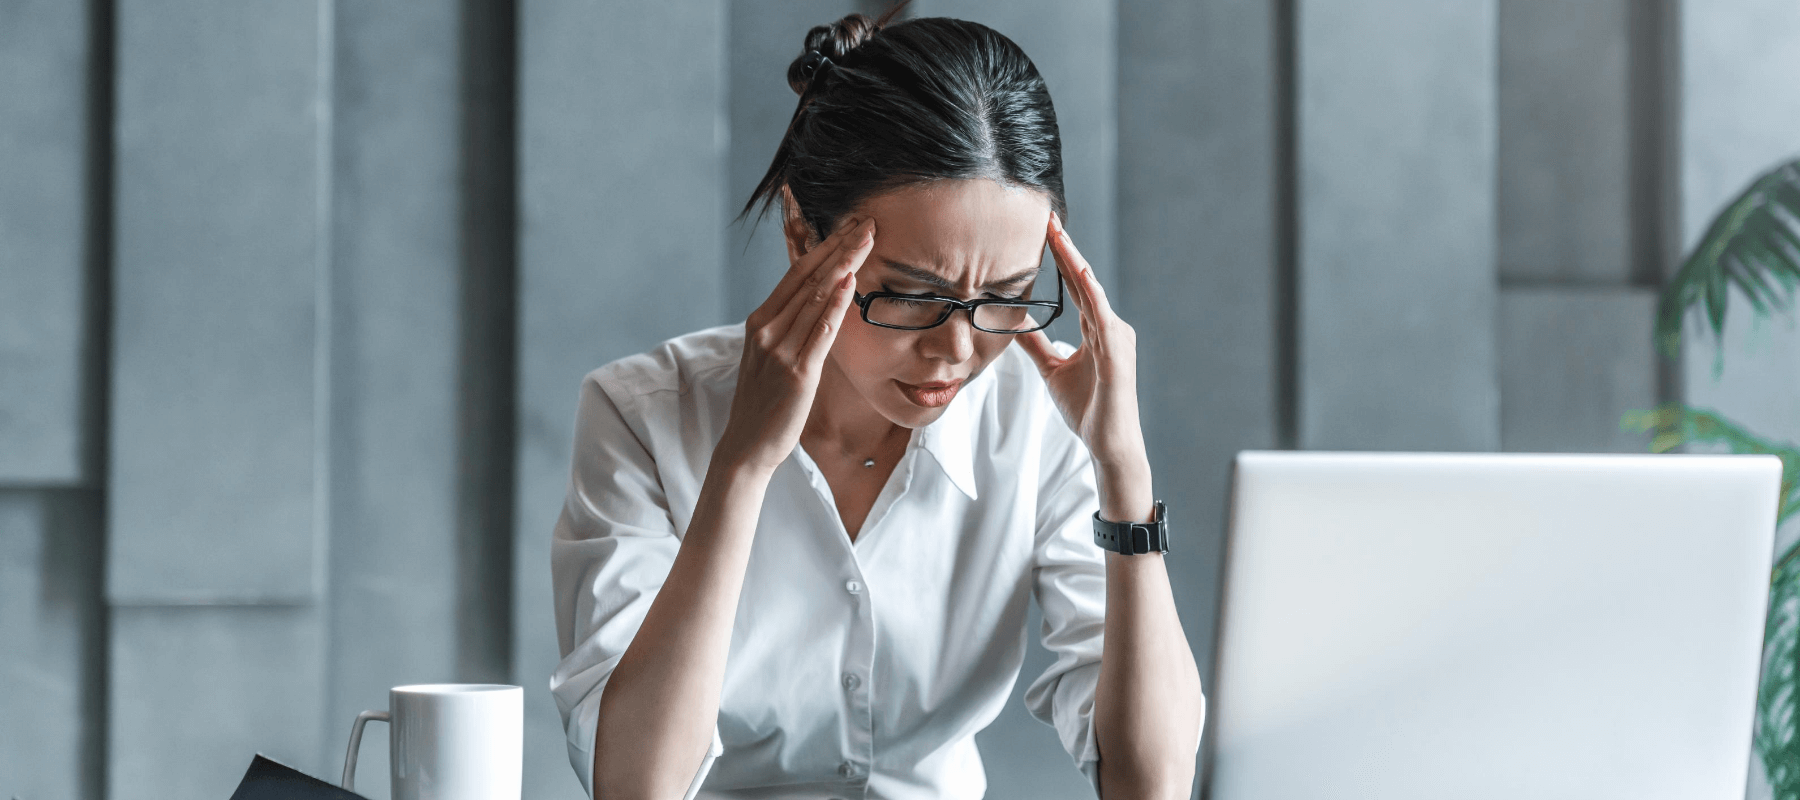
921	100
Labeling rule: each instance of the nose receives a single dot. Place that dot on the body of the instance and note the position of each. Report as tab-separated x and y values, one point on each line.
953	341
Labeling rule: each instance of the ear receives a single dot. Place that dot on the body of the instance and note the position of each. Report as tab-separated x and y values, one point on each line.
794	229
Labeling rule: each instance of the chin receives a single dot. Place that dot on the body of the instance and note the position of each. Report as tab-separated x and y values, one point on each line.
909	416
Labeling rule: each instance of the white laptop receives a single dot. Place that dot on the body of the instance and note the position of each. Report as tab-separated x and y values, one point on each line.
1459	625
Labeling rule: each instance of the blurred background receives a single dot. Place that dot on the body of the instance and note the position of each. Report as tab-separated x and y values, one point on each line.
296	296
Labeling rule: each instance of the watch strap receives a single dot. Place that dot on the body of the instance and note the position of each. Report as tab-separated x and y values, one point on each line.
1134	538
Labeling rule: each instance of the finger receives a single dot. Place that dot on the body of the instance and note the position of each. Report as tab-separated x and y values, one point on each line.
818	281
1042	353
805	307
1060	235
1071	264
807	273
824	328
801	276
802	264
1090	299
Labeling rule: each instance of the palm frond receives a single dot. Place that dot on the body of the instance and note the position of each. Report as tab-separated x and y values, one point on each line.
1754	245
1777	702
1674	425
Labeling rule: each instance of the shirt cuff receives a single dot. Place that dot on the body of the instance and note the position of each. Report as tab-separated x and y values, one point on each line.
1091	768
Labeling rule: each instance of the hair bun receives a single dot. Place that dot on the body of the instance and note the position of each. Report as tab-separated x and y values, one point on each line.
834	41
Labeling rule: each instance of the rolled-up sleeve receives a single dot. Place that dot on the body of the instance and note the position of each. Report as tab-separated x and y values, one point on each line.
611	552
1070	586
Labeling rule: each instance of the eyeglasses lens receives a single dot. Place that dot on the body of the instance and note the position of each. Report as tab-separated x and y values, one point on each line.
901	312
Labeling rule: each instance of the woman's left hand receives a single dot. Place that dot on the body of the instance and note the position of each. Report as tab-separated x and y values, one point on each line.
1095	388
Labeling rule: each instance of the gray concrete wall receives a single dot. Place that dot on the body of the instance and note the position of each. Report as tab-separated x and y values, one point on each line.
1578	95
419	587
45	244
52	610
217	318
1395	117
1565	141
1572	362
215	532
53	624
298	299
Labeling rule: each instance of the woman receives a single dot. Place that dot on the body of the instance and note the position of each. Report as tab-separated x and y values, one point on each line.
809	540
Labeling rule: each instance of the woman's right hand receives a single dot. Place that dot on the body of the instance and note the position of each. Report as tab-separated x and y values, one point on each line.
785	342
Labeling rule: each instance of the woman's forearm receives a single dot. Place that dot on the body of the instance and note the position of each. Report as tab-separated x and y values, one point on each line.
659	708
1148	704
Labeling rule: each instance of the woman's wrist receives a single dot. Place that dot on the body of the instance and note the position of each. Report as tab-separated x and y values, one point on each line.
732	466
1126	493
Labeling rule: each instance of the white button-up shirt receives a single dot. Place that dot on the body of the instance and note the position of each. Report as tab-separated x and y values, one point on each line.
856	669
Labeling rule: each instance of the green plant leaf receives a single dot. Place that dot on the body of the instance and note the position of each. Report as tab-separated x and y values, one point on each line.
1776	738
1673	425
1753	244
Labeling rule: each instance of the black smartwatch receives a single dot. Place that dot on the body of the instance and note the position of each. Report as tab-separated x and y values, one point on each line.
1134	538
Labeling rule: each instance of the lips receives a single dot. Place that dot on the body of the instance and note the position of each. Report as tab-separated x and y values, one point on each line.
929	395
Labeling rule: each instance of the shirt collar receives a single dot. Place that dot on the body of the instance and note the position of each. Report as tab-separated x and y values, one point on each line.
951	440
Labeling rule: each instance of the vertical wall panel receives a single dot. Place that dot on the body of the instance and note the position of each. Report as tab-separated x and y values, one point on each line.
51	666
213	497
1565	141
622	189
394	381
197	691
218	226
44	242
1396	129
1572	362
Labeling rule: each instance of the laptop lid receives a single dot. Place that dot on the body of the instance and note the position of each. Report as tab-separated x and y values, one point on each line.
1432	625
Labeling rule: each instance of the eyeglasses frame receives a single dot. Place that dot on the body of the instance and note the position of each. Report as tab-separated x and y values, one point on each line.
864	300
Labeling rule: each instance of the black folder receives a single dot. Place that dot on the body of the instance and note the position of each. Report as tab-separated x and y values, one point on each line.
268	779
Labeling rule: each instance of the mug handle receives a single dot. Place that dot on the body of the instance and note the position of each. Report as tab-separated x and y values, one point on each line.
356	729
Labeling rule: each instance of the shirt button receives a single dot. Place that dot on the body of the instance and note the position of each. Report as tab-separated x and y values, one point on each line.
852	587
851	681
846	769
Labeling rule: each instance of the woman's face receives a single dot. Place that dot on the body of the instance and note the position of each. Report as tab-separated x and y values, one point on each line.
968	239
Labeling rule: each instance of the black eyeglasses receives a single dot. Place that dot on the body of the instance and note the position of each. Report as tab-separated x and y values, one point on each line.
917	312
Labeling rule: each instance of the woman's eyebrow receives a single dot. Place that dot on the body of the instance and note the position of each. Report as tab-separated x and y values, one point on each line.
930	278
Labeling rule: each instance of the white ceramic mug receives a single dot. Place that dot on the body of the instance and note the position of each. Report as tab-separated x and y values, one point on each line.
450	741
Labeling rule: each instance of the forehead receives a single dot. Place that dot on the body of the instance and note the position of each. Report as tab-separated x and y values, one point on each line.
968	231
